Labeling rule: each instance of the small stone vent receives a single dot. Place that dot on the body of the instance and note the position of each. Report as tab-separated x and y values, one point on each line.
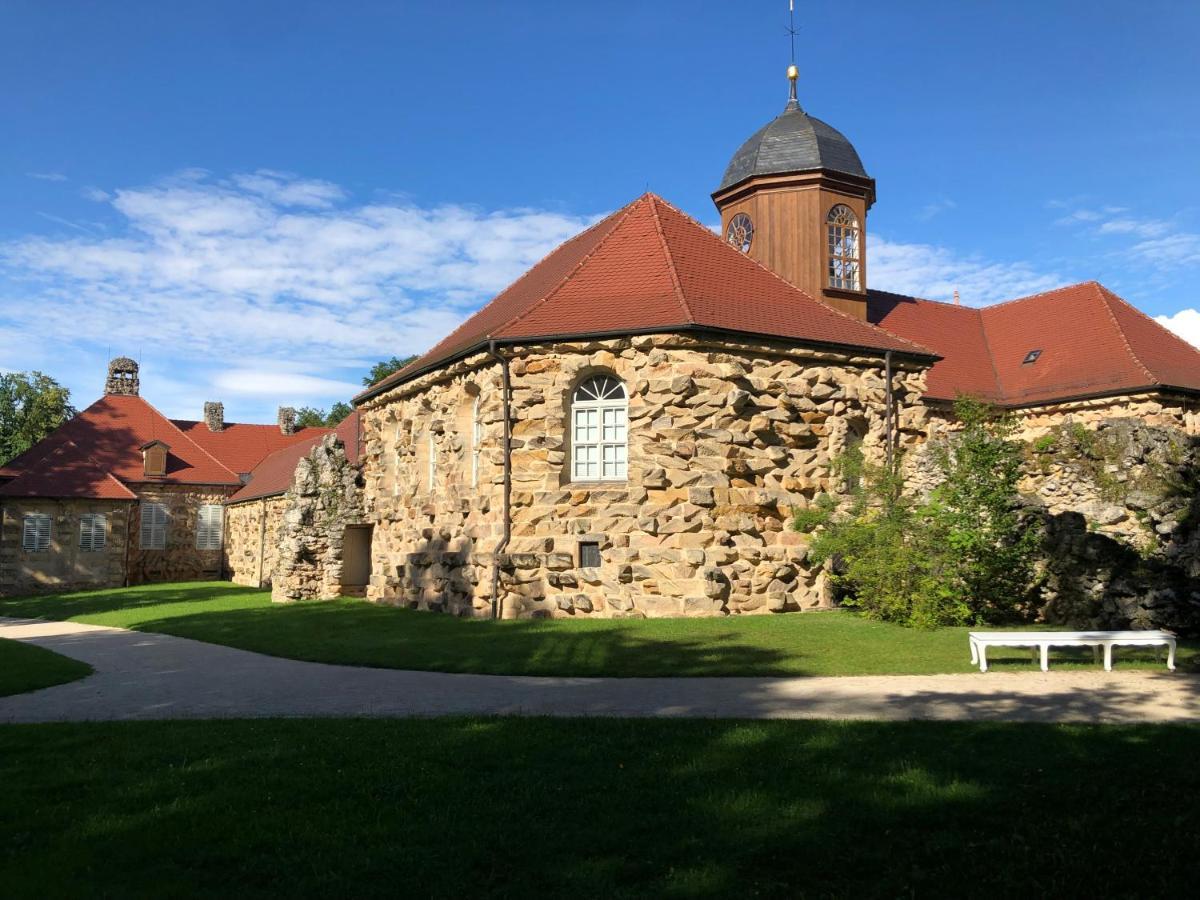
589	554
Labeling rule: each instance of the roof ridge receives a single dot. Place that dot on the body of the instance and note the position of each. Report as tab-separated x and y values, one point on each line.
624	213
122	485
1101	292
1065	287
183	435
662	238
716	237
1001	392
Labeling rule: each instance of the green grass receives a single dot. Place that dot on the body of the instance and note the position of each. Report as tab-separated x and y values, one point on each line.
360	633
597	808
26	667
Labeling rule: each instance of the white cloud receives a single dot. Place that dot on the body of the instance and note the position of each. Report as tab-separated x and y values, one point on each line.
1185	323
204	274
47	176
935	208
1180	249
925	270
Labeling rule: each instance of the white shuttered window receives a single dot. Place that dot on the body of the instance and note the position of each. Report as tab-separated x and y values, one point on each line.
208	527
35	533
93	532
154	526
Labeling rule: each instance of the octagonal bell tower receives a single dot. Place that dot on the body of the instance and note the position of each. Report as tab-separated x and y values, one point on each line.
795	197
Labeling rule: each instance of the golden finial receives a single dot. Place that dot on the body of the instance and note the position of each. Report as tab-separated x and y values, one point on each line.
793	72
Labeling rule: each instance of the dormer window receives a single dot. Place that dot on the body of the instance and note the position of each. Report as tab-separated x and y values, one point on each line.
1031	357
154	458
844	256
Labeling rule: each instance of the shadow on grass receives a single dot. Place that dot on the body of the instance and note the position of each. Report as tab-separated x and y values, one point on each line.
62	607
614	808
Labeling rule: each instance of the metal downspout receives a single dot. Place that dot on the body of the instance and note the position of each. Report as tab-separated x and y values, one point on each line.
506	399
889	403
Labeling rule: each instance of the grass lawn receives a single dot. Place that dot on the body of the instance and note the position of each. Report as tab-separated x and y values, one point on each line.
25	667
361	633
597	808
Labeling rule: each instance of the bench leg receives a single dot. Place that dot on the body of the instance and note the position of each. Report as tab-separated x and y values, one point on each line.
974	654
1108	657
1045	657
1171	656
983	657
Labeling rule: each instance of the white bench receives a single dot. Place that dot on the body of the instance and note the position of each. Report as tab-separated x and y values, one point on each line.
1044	640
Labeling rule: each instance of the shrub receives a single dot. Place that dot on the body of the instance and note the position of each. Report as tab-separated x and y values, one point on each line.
962	556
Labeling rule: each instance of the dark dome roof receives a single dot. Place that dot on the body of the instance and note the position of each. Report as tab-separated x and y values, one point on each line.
793	142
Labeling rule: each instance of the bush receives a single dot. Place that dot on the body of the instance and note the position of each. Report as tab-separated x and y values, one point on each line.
962	557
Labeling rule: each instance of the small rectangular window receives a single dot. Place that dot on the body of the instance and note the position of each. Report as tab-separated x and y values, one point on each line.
154	526
208	527
589	554
35	533
93	532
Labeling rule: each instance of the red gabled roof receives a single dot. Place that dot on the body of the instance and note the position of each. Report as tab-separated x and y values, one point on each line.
1091	341
98	452
241	447
647	268
273	475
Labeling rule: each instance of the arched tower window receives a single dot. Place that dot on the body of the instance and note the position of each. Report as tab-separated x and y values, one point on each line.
599	430
844	248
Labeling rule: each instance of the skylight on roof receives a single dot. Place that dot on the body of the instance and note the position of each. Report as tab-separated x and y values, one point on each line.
1031	357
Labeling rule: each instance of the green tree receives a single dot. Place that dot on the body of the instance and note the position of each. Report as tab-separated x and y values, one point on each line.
31	406
962	556
337	413
384	368
313	417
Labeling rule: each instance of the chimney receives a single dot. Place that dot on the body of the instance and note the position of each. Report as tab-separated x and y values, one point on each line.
214	415
956	300
122	377
287	420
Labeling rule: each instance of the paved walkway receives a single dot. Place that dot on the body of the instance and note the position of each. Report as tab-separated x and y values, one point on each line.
154	676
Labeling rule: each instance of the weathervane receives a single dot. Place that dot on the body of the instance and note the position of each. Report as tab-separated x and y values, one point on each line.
792	73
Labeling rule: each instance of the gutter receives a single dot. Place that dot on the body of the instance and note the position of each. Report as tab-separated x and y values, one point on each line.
506	399
889	411
488	346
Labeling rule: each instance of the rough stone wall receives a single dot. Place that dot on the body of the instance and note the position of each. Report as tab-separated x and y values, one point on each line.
725	439
180	560
252	540
62	567
325	497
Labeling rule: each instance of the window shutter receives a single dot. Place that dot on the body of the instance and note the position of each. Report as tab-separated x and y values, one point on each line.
93	532
35	533
208	527
154	526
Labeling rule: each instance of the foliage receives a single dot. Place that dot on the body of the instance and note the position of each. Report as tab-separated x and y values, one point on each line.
31	406
312	417
809	519
963	556
384	368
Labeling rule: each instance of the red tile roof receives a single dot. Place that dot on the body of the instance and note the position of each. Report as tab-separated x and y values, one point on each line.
1091	341
650	268
97	453
273	475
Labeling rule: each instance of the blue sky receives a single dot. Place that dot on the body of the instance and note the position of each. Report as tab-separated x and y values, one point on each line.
259	199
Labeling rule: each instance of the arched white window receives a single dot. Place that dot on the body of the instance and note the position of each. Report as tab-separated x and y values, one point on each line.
599	430
476	441
844	256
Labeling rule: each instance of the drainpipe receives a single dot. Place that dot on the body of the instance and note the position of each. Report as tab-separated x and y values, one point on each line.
128	539
262	537
506	399
888	402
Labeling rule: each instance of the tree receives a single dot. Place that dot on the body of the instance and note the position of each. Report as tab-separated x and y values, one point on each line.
384	368
31	406
312	417
962	556
337	413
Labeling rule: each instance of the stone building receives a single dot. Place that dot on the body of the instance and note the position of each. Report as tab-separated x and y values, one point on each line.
123	495
627	429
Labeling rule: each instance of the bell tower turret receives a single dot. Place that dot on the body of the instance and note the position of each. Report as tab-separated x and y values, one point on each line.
795	197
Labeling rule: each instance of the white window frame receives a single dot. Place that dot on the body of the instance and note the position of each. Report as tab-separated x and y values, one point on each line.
476	441
398	460
600	430
208	532
844	243
35	532
154	523
93	532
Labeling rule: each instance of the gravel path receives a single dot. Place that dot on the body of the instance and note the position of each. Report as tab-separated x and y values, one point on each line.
155	676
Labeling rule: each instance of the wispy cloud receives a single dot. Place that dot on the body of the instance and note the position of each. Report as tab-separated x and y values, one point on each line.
47	176
926	270
935	208
204	273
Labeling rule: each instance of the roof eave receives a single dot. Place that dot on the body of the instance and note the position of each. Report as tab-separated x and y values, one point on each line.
480	346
